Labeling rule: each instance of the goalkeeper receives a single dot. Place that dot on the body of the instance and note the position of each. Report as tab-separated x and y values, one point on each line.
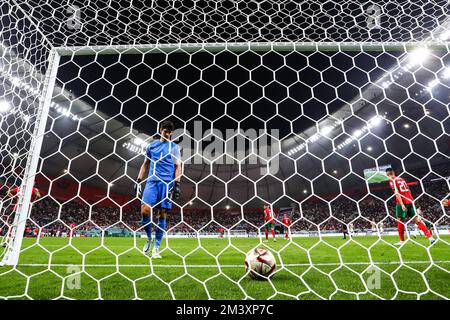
163	184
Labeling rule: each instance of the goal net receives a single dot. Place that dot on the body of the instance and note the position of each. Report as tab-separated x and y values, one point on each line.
287	116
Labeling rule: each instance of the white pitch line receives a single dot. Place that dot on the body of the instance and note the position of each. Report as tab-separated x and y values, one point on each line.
222	266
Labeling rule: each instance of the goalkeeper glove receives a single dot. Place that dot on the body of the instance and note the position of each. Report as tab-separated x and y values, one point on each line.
138	189
176	191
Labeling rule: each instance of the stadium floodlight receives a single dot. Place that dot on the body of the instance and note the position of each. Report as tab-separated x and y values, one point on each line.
314	138
227	207
432	84
446	73
418	56
138	141
16	81
4	106
375	121
326	130
445	35
357	133
369	148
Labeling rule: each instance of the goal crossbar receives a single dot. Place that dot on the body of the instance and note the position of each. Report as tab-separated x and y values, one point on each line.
252	46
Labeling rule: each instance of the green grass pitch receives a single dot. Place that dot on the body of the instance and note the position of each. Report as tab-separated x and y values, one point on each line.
194	268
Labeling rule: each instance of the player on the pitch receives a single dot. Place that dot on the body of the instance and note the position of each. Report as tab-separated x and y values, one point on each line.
286	223
421	217
344	231
351	229
269	222
163	184
14	194
381	225
373	226
405	206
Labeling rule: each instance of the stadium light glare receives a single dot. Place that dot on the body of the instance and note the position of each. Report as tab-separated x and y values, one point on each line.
335	171
406	125
432	84
305	191
407	67
446	73
369	148
445	35
138	141
357	133
418	56
15	81
375	121
227	207
326	130
4	106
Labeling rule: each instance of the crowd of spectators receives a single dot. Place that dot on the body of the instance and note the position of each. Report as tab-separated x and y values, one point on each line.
54	219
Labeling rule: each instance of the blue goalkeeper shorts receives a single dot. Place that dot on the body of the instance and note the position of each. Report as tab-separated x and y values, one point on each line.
156	194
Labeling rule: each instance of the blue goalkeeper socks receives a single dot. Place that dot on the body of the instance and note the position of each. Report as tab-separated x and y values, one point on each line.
160	231
147	226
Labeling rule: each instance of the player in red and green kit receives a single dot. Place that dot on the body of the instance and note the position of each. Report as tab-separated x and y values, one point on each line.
405	206
286	223
14	194
269	222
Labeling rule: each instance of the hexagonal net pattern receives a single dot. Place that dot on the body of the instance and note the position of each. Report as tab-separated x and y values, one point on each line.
260	118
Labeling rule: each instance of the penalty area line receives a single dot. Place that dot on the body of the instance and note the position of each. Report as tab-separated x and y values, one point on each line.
222	266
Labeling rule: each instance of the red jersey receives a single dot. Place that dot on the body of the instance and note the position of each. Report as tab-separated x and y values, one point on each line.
16	190
400	186
268	215
34	193
286	222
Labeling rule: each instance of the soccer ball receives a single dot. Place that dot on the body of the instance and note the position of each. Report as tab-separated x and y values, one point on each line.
260	262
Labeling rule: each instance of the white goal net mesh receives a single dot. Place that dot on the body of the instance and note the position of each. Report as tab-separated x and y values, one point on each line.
298	105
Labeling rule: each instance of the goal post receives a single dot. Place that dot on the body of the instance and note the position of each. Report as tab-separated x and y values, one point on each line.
14	245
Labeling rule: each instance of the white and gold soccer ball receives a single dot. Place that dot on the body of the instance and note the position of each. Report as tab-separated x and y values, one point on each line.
260	262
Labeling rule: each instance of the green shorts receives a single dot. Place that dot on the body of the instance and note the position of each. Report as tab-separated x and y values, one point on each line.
269	226
410	212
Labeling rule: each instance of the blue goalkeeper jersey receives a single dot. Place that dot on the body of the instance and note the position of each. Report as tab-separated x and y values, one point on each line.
162	156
